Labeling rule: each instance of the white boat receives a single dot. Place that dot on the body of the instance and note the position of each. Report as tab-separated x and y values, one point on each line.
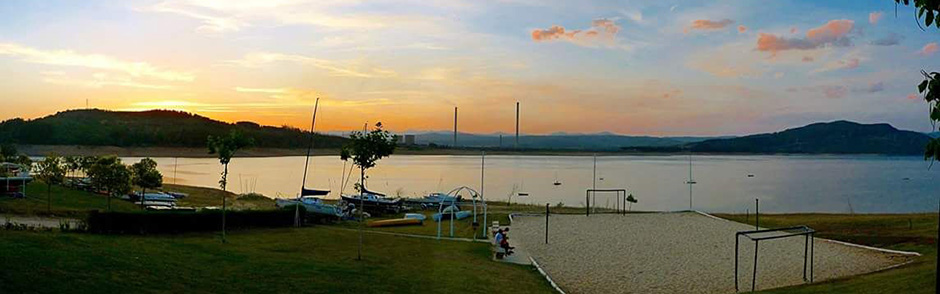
155	197
312	204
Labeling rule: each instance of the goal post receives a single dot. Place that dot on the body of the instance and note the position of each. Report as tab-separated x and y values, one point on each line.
620	197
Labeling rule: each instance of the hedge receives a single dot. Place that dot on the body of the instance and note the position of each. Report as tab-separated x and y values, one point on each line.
168	222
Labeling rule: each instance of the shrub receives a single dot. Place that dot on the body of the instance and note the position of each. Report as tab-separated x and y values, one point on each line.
169	222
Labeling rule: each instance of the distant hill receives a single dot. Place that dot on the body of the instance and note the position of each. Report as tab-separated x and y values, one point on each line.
155	128
833	137
602	141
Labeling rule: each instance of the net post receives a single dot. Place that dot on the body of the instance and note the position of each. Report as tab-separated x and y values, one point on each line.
754	274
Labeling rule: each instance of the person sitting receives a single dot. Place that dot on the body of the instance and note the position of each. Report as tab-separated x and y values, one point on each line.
504	243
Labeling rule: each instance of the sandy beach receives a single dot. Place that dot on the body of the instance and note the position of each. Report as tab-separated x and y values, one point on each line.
677	253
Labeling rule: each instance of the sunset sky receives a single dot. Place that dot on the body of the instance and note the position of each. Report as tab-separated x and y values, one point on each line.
639	68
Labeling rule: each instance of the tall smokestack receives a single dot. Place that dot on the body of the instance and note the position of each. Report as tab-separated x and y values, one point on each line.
455	126
517	125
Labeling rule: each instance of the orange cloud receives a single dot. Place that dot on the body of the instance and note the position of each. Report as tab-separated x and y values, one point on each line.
833	33
704	24
913	96
928	49
874	17
742	29
602	31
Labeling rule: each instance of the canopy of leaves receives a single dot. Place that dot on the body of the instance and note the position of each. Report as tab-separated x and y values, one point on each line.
365	148
146	175
109	174
929	10
51	170
225	146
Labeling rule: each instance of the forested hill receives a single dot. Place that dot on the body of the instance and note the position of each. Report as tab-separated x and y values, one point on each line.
838	137
154	128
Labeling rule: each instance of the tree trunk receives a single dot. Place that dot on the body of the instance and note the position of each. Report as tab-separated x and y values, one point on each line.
362	189
143	194
224	183
109	199
49	198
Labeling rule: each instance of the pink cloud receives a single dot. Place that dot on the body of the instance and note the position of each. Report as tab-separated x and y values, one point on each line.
601	31
850	63
704	24
808	59
742	29
835	91
913	96
874	17
794	30
833	33
928	49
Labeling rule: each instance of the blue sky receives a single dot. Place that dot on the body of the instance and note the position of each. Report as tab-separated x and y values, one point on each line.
639	67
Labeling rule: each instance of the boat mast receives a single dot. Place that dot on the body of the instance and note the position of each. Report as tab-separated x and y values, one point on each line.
313	123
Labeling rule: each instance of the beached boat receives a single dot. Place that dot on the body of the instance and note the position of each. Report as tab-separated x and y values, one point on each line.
308	197
153	197
394	222
373	202
457	215
312	204
432	200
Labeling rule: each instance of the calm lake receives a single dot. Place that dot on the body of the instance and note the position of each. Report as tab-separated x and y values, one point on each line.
782	183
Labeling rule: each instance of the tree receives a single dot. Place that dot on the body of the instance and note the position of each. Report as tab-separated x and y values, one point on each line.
146	176
110	175
225	147
8	151
72	164
632	200
50	171
365	148
930	86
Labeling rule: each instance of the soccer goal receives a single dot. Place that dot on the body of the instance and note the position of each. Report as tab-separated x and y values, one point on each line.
619	195
764	235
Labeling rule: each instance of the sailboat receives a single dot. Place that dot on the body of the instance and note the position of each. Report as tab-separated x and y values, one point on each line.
309	197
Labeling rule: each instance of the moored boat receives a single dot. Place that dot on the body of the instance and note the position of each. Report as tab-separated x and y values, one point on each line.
374	203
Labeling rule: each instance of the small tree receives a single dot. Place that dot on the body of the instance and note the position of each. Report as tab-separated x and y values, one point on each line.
50	171
365	148
72	164
85	163
632	200
225	147
146	176
110	175
8	151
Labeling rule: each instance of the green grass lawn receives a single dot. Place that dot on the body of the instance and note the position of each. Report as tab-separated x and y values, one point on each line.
308	260
908	232
65	202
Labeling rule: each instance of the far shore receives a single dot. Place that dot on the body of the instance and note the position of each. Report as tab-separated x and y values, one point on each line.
193	152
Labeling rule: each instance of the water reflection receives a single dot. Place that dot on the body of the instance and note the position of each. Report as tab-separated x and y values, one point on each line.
783	183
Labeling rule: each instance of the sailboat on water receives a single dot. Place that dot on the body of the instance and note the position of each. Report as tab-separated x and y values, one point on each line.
309	198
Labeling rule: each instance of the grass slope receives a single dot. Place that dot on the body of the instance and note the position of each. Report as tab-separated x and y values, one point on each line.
908	232
308	260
